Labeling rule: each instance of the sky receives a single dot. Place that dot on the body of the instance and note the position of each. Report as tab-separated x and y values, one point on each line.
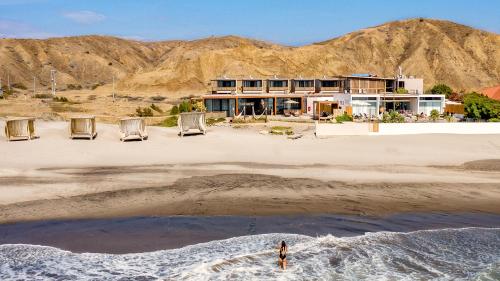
288	22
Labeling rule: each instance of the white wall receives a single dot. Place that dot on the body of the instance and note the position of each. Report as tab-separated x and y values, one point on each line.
357	129
438	128
413	85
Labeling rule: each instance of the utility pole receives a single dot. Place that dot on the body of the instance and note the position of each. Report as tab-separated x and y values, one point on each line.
8	81
34	86
113	88
53	80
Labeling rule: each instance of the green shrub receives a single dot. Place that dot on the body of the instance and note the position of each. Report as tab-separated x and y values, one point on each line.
281	130
441	89
174	110
185	106
402	91
343	118
213	121
169	122
144	112
434	116
494	120
392	117
478	106
156	108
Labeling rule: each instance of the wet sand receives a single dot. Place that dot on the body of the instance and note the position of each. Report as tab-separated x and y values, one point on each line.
145	234
103	193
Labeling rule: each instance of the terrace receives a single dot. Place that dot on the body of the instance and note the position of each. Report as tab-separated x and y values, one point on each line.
224	86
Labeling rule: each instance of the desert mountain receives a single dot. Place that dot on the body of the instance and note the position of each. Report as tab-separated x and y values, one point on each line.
439	51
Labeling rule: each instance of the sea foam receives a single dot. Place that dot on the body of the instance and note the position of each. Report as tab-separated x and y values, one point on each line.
446	254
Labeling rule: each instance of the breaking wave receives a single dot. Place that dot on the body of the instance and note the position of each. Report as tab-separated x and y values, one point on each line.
446	254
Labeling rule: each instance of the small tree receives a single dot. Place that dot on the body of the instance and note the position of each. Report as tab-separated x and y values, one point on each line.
434	115
174	110
442	89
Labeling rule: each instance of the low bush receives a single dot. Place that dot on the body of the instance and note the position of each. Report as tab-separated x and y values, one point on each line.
144	112
343	118
19	86
43	96
158	98
60	99
434	116
281	130
174	110
73	87
494	120
213	121
169	122
156	108
393	117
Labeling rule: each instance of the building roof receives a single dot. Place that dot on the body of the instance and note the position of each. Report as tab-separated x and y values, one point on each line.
493	92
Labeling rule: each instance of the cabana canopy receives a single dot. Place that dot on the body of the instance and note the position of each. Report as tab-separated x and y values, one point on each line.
82	127
133	128
20	128
189	121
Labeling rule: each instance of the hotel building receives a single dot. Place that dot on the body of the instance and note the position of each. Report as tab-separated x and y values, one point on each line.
363	94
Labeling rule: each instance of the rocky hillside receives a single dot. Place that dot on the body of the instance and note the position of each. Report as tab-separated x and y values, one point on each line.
438	51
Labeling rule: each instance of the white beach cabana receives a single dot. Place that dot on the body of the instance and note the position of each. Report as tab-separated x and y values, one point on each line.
133	128
20	128
192	122
82	127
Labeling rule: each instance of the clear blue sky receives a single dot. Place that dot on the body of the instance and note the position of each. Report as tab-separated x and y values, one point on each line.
289	22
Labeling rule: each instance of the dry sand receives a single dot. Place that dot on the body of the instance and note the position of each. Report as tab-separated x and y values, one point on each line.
240	172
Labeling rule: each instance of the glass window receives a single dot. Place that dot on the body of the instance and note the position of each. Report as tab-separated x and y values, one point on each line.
226	83
278	83
331	84
304	83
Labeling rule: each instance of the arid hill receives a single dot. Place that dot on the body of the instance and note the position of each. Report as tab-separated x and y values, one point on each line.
439	51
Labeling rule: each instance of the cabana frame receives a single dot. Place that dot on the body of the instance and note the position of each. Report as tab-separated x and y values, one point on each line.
82	127
133	128
20	128
192	122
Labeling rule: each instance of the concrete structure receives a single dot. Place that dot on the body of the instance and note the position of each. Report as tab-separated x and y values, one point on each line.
368	95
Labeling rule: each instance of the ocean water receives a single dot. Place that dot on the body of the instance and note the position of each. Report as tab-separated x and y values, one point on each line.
444	254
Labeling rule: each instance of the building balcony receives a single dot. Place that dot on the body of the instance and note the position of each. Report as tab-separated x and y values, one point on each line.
251	89
278	89
330	89
305	89
223	89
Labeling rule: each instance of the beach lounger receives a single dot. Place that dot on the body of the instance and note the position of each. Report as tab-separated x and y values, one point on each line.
296	113
133	128
82	127
192	122
287	112
20	128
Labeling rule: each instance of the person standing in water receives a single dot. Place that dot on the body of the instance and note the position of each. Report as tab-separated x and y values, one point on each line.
282	257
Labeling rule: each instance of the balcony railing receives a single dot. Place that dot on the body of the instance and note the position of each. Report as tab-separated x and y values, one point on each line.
252	89
223	89
304	88
278	88
332	89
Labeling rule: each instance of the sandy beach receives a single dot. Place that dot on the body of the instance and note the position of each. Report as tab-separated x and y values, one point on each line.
241	172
